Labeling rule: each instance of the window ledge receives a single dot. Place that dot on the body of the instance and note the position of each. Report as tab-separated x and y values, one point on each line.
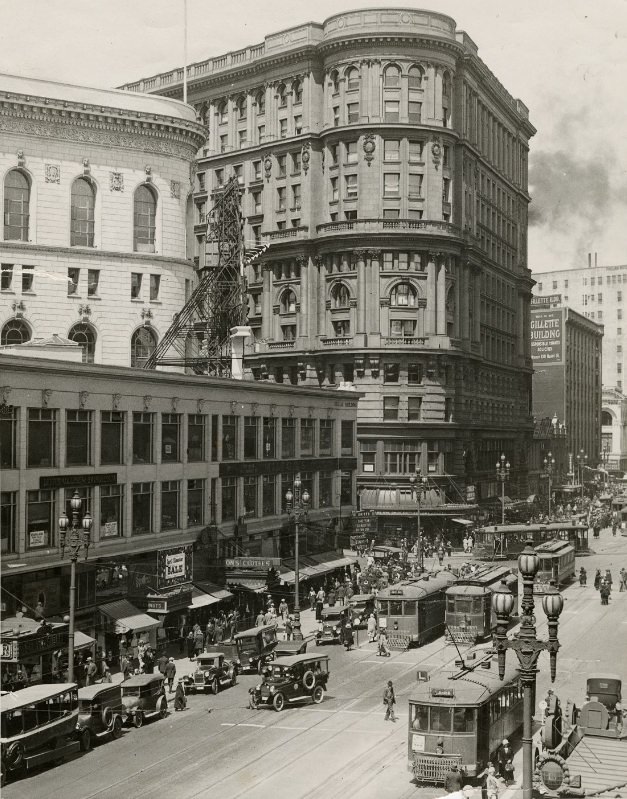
75	296
156	302
7	291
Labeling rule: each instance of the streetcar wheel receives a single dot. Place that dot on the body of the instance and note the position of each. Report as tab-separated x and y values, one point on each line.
215	686
84	740
278	703
318	694
116	729
138	719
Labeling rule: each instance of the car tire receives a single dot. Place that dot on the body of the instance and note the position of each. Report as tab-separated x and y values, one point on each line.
84	740
309	680
234	678
107	717
215	686
116	729
162	707
260	665
318	694
138	719
278	703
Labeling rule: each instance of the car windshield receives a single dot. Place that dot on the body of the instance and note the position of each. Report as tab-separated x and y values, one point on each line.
248	644
279	671
131	691
206	663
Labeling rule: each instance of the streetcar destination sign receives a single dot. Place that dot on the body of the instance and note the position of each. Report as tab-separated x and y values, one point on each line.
448	693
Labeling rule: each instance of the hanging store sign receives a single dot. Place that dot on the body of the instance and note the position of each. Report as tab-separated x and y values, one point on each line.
252	563
547	336
174	566
546	302
72	480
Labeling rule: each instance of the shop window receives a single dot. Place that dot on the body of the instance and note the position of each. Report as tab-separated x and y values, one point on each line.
229	499
8	522
269	437
251	426
143	433
41	446
170	437
307	436
229	438
8	438
347	433
195	502
40	519
269	495
78	438
170	504
111	437
196	432
142	508
111	511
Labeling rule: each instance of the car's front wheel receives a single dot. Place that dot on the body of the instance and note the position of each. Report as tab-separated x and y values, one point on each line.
138	719
116	729
162	707
85	740
278	703
234	678
215	685
318	694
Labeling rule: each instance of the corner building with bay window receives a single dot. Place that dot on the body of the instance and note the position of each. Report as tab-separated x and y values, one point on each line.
95	190
386	167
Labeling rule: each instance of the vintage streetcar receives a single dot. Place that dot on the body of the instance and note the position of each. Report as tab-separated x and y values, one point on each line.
39	726
255	647
507	541
100	711
212	670
469	614
462	716
557	565
413	610
292	680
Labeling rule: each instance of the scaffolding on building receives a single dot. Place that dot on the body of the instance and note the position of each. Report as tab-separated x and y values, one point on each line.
199	337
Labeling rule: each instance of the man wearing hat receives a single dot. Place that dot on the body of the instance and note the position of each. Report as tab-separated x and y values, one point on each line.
90	671
372	628
170	673
453	779
504	755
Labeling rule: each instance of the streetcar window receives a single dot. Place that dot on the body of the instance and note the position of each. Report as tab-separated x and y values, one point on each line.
383	607
463	605
12	723
420	717
441	719
450	604
409	608
43	716
30	718
396	607
463	719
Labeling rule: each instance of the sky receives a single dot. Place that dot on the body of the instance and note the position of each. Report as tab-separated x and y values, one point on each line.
565	59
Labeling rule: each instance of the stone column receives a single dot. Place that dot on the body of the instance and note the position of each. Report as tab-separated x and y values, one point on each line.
303	315
213	127
266	302
457	289
430	313
322	295
250	122
374	289
441	295
477	293
361	256
464	308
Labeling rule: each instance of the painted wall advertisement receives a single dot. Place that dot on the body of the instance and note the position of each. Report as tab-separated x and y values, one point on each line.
547	335
174	566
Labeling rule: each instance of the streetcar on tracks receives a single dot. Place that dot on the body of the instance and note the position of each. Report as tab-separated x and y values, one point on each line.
461	717
469	615
39	726
557	565
507	541
413	611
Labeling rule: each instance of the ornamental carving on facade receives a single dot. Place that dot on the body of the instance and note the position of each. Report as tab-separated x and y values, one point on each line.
147	402
302	260
84	311
374	255
46	395
83	396
436	152
233	407
18	307
21	161
148	171
175	189
174	403
5	392
369	147
115	401
290	411
361	255
53	173
200	404
116	181
267	166
253	408
86	167
273	409
306	156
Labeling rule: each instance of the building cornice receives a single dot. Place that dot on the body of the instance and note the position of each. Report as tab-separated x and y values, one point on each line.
31	251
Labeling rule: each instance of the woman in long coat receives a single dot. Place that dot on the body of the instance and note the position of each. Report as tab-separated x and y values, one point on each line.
597	579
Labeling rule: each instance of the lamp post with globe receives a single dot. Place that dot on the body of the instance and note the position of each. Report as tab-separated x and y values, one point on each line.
74	537
502	475
418	486
548	466
297	506
526	645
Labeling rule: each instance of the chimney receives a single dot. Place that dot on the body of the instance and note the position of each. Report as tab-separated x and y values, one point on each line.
589	260
595	259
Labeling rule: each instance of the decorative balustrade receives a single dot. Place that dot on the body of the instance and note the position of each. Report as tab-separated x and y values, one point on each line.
398	225
281	345
301	232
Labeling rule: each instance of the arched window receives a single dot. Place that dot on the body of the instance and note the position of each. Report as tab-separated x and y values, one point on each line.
446	85
16	205
606	419
223	112
288	301
352	78
392	77
340	296
144	220
297	89
260	99
15	332
282	96
403	296
446	100
143	344
334	78
85	336
241	107
415	78
82	215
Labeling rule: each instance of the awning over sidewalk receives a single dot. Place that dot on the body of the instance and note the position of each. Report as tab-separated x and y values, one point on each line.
127	617
213	589
317	565
82	641
465	522
200	599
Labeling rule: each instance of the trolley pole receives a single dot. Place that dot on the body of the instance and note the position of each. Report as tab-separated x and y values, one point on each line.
526	645
502	474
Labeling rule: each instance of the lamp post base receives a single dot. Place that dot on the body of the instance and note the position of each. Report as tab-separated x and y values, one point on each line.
297	633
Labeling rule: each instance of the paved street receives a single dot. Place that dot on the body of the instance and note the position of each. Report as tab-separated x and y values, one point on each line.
220	748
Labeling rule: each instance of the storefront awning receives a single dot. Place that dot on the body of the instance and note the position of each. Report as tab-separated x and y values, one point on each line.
201	600
213	589
127	617
250	584
465	522
82	641
317	570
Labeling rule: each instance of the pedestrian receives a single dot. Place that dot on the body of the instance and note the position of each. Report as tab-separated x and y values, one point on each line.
180	700
383	643
341	593
465	543
453	779
608	578
441	555
331	598
106	677
269	616
219	630
604	590
504	753
349	592
623	580
312	598
372	628
492	784
509	772
210	632
289	628
190	644
389	700
233	625
349	638
259	621
319	603
597	579
582	577
149	661
449	548
91	671
125	667
283	609
199	641
170	673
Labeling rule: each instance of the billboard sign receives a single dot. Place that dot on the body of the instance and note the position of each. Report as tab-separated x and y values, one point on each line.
546	302
174	566
547	329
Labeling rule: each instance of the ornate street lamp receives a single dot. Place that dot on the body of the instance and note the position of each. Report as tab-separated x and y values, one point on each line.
297	505
502	474
526	645
549	465
418	487
74	538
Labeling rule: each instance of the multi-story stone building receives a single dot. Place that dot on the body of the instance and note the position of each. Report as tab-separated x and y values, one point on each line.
387	168
95	187
600	294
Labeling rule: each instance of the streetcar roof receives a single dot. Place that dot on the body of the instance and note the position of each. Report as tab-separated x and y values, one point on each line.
361	597
530	528
472	686
553	547
467	590
416	589
34	693
486	578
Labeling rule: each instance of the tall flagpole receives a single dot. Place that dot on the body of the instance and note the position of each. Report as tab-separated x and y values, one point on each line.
184	51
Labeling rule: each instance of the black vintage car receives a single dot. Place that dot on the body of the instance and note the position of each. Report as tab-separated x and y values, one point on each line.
333	622
255	647
100	711
290	680
212	671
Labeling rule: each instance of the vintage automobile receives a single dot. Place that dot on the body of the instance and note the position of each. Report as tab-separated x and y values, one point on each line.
361	605
212	671
38	726
255	647
287	648
333	620
143	696
100	711
292	679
